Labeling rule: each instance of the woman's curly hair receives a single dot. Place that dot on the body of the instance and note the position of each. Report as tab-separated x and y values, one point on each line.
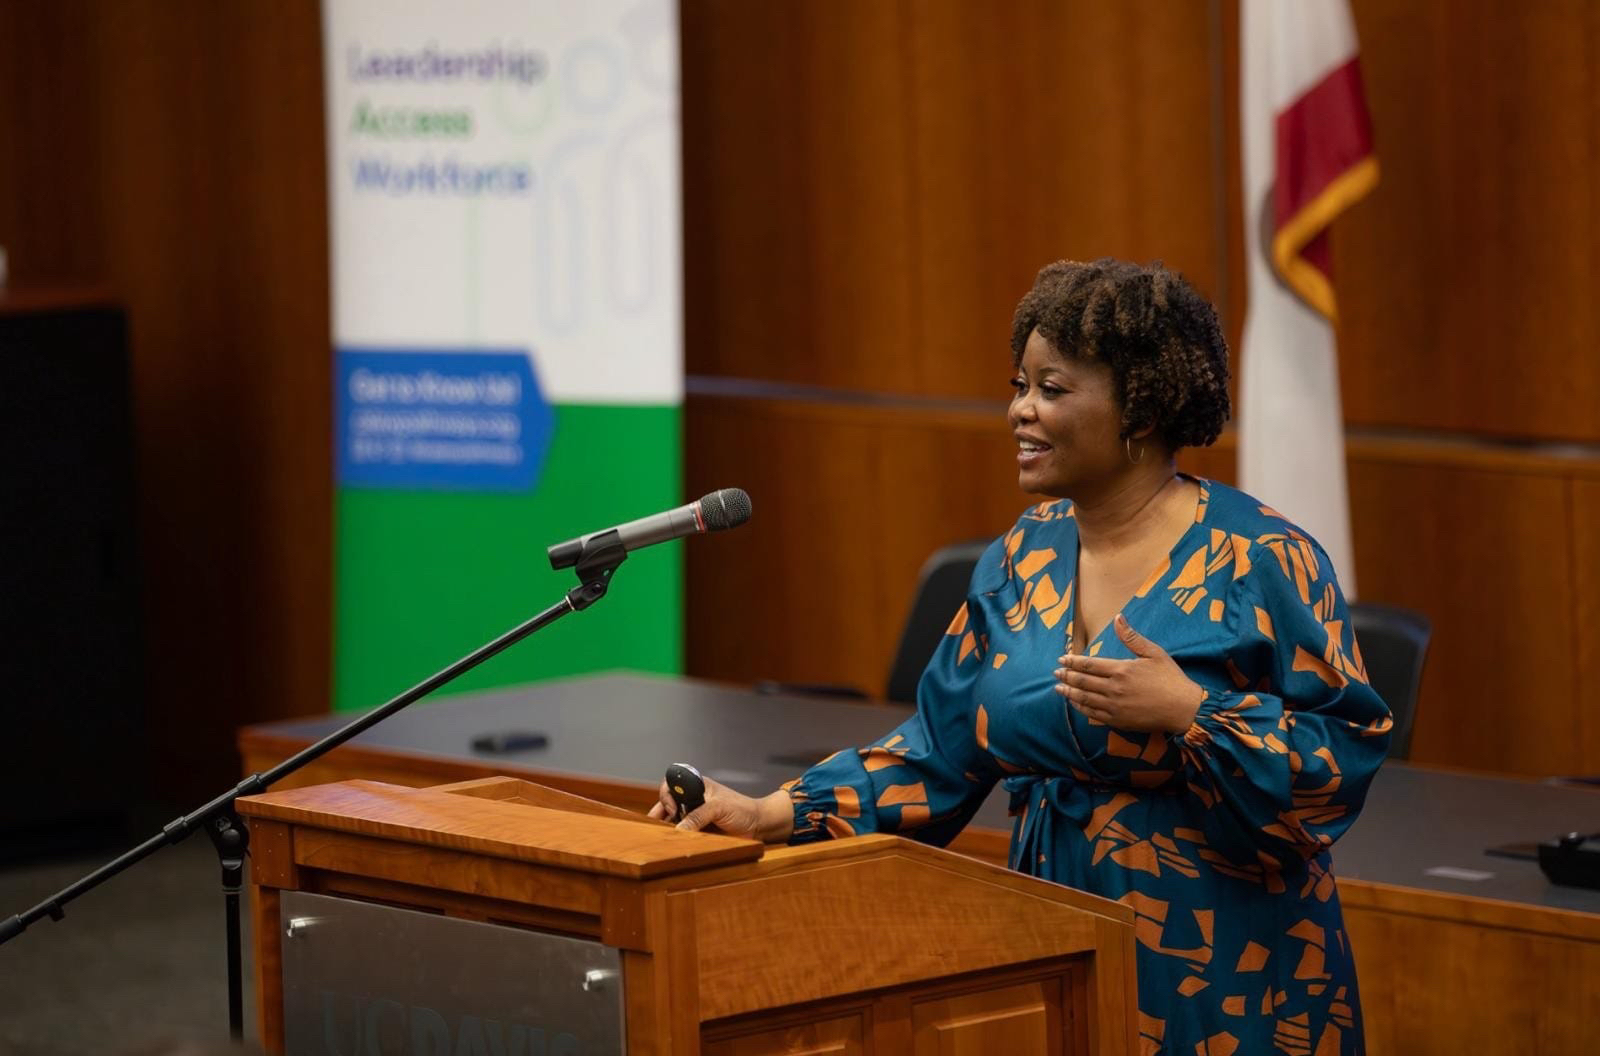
1167	355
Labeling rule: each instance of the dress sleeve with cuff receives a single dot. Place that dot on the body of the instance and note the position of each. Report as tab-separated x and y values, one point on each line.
1283	769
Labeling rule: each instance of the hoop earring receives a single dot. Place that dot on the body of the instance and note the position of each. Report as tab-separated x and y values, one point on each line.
1127	445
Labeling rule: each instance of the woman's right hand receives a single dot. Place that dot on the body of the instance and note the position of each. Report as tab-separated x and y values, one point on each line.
769	819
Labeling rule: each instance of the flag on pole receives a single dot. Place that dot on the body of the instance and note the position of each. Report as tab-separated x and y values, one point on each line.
1307	157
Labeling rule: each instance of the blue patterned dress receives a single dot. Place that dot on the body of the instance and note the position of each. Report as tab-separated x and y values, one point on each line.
1217	839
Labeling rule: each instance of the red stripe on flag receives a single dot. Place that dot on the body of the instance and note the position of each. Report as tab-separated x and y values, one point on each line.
1321	135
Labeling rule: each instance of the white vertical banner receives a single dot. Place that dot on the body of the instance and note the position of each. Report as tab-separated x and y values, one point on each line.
504	179
1308	156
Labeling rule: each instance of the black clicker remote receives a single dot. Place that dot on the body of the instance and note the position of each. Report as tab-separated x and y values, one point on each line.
688	788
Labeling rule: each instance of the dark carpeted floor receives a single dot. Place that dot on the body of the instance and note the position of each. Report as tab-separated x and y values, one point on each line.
138	965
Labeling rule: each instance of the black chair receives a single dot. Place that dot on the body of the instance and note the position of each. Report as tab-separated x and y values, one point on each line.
941	589
1394	645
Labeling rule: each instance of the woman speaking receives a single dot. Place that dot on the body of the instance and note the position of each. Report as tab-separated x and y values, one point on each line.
1161	670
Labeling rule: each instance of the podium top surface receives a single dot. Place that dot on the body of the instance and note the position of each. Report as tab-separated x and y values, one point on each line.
1422	829
637	848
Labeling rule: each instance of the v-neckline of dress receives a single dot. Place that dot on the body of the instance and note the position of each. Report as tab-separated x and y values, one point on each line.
1162	568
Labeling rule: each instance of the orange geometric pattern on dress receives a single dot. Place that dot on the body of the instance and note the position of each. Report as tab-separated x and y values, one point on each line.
837	827
958	622
1140	857
969	644
1327	604
1036	559
1017	615
1105	812
1145	856
1264	624
880	757
896	795
1150	925
1293	1035
1052	615
1122	747
1051	510
1151	1033
1226	547
1253	958
1206	920
1150	778
999	660
1187	600
1271	879
1319	883
1355	655
1304	661
1011	544
1233	1005
980	734
1191	985
1156	576
1239	678
1312	958
1192	573
1174	859
1219	1044
1297	559
914	815
1341	1011
849	805
1152	751
1232	719
1045	596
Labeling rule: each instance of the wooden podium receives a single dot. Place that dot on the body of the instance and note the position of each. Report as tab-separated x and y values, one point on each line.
728	948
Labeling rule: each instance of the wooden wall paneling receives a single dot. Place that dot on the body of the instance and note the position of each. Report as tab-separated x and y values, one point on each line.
841	1036
1586	624
174	151
1023	1018
797	243
1042	131
1449	987
51	215
1466	279
1484	552
276	234
1218	462
849	501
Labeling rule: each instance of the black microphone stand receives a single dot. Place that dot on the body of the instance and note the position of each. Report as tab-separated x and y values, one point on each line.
600	558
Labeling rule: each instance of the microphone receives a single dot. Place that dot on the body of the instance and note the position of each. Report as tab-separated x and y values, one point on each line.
727	508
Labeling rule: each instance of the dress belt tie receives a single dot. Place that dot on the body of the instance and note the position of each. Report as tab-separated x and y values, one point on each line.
1042	802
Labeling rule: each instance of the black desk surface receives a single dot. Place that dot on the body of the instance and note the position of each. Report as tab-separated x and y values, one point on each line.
1422	828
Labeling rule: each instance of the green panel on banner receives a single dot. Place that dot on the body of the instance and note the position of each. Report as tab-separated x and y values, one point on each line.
424	577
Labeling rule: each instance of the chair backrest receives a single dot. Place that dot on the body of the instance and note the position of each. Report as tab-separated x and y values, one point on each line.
941	588
1394	645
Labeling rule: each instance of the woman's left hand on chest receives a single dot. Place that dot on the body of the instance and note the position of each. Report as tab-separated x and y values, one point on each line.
1147	693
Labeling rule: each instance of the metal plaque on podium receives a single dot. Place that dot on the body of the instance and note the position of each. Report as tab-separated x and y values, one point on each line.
361	979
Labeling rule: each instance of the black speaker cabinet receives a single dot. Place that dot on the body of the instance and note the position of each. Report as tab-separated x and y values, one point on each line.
72	733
